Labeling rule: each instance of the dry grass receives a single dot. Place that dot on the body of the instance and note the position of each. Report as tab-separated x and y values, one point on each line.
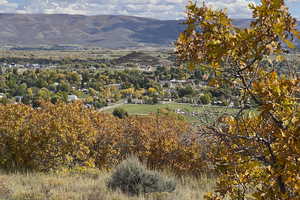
87	185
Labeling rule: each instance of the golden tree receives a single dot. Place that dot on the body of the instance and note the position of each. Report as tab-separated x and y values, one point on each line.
258	151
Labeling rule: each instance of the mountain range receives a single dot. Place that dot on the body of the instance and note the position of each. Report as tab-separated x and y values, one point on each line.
107	31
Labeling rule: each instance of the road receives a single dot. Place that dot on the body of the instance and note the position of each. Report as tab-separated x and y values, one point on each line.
111	106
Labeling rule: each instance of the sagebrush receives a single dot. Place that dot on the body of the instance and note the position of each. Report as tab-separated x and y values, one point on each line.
134	178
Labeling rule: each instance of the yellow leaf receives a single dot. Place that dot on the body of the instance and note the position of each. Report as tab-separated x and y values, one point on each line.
277	3
279	58
191	66
290	44
296	33
182	37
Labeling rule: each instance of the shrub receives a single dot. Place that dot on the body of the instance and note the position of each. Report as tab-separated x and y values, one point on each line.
182	92
205	99
45	138
4	100
120	113
68	135
132	178
155	100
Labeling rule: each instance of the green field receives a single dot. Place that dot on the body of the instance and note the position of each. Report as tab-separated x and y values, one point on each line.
190	112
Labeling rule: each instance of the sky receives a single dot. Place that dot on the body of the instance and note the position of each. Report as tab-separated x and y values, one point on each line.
159	9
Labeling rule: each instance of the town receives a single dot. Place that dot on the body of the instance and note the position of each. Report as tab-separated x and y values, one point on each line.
149	100
135	78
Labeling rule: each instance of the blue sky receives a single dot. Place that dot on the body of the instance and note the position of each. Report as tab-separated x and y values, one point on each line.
160	9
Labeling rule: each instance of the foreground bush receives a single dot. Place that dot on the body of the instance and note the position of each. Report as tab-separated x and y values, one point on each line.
133	178
120	113
66	135
46	138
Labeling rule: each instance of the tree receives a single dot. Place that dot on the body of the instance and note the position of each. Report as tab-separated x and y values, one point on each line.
257	152
185	91
4	100
128	92
205	99
44	94
120	113
152	91
20	90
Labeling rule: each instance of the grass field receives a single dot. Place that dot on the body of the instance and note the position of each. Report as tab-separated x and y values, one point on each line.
190	112
88	185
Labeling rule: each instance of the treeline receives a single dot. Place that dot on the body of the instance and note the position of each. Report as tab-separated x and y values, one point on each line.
99	87
48	61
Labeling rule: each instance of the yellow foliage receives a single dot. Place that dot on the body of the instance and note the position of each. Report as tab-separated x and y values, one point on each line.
258	154
152	90
68	135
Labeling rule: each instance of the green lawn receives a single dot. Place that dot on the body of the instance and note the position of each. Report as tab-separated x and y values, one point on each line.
191	113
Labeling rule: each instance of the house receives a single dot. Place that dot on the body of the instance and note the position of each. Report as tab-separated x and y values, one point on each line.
85	91
137	101
165	101
173	83
88	105
37	66
92	68
179	111
218	103
147	68
117	86
11	65
20	66
164	83
72	97
18	99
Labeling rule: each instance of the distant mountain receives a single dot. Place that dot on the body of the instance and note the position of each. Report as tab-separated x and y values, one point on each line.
106	31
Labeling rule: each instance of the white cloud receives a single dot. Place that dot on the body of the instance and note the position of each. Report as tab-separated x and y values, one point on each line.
235	8
7	7
162	9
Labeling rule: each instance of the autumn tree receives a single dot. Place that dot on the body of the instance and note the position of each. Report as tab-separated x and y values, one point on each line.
257	151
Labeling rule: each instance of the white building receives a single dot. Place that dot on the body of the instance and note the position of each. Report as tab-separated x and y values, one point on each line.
72	97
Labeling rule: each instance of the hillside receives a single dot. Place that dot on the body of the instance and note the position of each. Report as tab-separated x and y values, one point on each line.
141	58
104	31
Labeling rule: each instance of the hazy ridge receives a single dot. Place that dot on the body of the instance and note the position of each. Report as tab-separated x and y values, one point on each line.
106	31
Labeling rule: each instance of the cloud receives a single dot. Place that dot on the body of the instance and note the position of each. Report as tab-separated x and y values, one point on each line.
7	7
235	8
161	9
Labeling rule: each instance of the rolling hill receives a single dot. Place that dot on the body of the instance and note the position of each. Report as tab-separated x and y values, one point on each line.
105	31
